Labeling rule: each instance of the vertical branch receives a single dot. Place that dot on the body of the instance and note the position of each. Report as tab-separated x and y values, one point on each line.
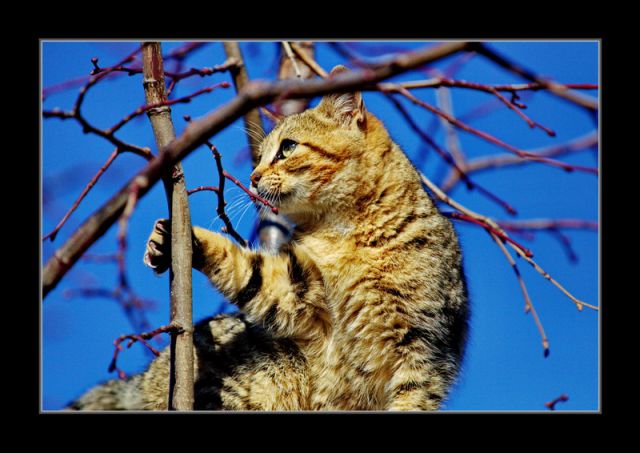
181	375
252	120
292	67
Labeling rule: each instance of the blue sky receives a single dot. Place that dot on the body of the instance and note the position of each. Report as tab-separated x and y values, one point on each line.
504	368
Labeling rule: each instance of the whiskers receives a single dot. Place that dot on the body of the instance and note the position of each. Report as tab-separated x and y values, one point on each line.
253	130
237	205
273	196
233	202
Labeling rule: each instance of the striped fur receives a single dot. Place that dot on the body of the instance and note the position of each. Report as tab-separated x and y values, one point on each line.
365	309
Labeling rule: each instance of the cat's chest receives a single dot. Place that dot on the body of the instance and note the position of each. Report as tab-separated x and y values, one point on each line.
336	258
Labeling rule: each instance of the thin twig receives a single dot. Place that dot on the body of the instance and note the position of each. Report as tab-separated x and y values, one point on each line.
203	188
52	235
169	102
492	226
480	164
289	52
312	63
142	338
448	158
557	89
490	138
529	308
551	405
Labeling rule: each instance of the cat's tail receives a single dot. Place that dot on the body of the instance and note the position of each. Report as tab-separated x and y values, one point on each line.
117	394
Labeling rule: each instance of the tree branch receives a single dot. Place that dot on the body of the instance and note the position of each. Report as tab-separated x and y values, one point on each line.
181	376
555	88
252	120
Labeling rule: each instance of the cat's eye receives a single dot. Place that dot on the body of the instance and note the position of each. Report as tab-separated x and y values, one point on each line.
286	148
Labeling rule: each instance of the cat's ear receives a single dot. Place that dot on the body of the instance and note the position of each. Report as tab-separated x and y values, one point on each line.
347	108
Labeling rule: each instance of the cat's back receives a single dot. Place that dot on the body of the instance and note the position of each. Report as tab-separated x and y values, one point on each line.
238	366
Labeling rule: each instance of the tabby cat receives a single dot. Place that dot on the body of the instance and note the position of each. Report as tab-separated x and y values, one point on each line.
366	307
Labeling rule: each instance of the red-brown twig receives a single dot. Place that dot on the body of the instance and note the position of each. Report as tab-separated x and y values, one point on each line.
52	235
183	100
221	203
253	196
174	76
480	164
99	74
441	82
142	338
88	128
528	305
488	137
555	88
222	175
177	77
177	54
490	229
491	225
551	405
553	227
203	188
446	156
76	114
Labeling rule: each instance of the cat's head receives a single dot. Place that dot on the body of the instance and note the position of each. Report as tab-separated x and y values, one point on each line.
310	162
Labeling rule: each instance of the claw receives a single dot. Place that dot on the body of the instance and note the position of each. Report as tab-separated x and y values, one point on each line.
160	227
163	225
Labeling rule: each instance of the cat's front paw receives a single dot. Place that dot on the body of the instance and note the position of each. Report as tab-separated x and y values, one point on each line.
158	253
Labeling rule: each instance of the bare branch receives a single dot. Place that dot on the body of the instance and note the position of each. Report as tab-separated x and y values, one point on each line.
292	58
480	164
52	235
252	120
551	405
222	175
528	307
142	338
557	89
448	158
491	226
309	61
488	137
182	368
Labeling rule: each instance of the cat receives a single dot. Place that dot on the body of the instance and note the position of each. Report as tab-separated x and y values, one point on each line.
365	309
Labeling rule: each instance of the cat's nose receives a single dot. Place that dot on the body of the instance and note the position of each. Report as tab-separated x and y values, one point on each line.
255	177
